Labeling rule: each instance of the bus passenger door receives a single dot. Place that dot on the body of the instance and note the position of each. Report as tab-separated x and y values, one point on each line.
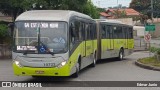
111	39
92	30
130	38
88	41
83	49
126	37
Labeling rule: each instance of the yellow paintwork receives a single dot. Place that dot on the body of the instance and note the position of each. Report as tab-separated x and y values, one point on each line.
63	71
116	44
90	46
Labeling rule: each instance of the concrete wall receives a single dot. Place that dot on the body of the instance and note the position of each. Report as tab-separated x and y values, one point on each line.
156	33
5	18
139	30
128	21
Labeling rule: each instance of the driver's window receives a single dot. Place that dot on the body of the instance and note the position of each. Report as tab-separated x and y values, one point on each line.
75	32
72	34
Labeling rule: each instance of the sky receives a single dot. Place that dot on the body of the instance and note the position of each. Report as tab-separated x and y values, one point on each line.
110	3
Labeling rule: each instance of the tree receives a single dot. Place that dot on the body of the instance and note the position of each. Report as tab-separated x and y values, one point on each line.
144	6
15	7
3	32
91	10
119	14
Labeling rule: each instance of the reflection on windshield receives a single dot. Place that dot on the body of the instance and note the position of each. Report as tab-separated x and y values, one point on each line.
53	36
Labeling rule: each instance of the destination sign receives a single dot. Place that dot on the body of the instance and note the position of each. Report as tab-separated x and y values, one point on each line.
41	25
26	48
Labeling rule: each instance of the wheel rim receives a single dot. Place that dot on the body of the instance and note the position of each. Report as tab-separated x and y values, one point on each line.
94	61
77	68
121	55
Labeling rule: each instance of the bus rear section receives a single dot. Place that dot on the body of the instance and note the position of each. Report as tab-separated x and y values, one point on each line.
115	39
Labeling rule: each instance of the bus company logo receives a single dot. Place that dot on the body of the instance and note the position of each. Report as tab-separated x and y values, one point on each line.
6	84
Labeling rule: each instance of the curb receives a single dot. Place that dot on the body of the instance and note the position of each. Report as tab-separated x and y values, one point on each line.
139	50
147	66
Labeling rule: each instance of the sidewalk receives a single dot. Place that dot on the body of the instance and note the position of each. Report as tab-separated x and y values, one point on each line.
136	49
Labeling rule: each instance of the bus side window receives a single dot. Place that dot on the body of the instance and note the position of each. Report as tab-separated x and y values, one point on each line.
86	31
72	35
92	31
130	33
115	36
107	31
75	33
72	31
103	29
95	30
119	32
89	37
83	30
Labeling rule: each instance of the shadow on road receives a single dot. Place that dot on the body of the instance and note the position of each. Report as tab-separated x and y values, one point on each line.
108	60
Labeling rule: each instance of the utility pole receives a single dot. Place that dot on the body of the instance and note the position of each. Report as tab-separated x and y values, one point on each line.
152	10
117	3
99	4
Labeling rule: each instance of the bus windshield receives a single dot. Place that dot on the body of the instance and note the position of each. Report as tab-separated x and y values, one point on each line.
52	36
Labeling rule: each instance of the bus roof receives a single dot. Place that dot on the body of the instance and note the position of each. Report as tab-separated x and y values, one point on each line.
50	15
111	21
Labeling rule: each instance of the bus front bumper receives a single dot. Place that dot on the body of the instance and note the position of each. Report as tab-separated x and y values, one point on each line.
29	71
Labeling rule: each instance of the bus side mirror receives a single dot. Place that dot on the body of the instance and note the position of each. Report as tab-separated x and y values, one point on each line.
11	28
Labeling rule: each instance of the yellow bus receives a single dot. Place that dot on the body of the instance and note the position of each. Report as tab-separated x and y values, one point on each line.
53	43
61	42
115	39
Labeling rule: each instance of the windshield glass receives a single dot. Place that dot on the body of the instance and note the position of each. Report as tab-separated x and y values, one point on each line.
48	36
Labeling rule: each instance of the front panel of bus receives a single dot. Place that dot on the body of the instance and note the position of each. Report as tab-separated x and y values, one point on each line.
40	48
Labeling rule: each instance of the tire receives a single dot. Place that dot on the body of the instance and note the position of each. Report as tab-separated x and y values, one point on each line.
121	54
36	77
76	74
94	61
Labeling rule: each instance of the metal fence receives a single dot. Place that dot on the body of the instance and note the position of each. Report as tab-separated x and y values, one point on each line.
140	44
5	51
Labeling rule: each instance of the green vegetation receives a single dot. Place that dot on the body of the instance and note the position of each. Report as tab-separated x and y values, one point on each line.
150	61
16	7
155	50
155	60
4	34
119	14
144	7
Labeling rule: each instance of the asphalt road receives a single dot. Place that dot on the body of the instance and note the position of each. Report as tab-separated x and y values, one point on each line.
105	70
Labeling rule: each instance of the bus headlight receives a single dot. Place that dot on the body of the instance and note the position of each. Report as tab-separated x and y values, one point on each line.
18	63
62	64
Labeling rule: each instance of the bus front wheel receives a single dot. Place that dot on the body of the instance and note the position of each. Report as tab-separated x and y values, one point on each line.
75	75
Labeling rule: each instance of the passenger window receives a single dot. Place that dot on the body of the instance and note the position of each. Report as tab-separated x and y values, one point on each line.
103	30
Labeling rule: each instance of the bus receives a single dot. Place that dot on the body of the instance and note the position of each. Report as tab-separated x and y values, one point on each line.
53	43
61	42
114	39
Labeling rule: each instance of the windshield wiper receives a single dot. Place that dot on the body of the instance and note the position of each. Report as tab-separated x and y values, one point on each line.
39	42
40	45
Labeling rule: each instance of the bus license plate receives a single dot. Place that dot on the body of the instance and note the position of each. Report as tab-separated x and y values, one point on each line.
39	72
